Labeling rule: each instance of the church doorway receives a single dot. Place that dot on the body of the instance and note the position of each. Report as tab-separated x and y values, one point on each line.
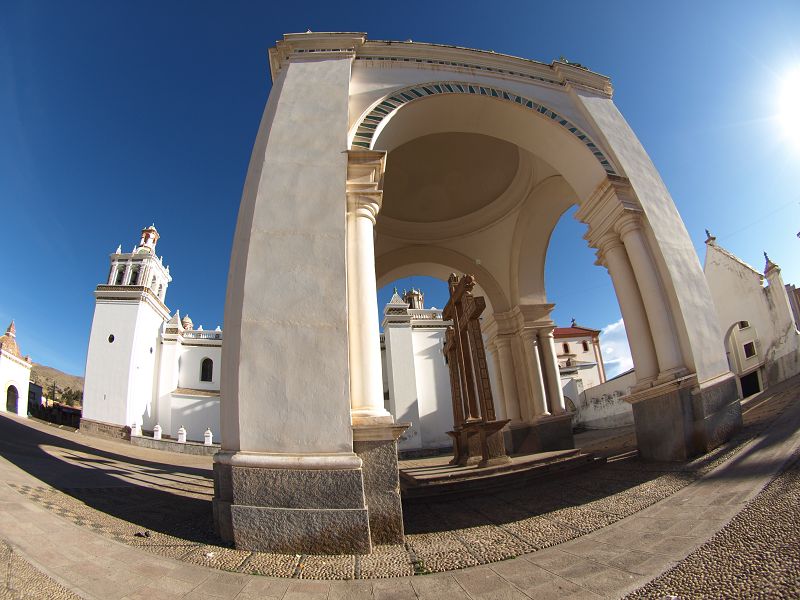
12	399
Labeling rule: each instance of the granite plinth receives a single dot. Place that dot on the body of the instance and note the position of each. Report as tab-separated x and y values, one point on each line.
679	420
291	510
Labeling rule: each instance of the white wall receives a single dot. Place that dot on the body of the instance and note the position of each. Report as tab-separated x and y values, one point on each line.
739	295
195	413
433	388
191	358
108	364
602	406
16	374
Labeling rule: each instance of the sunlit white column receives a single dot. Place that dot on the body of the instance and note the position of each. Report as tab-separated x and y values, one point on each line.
613	255
670	359
363	203
497	390
507	377
534	369
548	350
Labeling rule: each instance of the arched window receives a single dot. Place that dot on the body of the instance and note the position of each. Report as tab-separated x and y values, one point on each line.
566	348
153	282
206	369
585	346
135	276
120	276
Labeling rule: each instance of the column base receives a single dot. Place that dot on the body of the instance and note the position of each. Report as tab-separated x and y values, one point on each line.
545	434
282	503
678	420
376	446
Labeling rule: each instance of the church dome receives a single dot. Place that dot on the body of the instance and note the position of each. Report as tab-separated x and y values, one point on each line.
187	323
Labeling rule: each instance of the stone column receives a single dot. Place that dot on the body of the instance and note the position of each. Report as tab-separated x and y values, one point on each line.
548	348
364	170
497	389
506	363
534	369
612	254
670	359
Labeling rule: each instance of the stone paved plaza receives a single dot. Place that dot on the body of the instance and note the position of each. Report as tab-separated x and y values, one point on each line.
84	517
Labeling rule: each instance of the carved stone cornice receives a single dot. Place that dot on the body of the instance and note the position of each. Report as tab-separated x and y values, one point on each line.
613	198
307	46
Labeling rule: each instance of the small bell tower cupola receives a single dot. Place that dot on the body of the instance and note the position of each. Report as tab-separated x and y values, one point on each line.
149	239
414	298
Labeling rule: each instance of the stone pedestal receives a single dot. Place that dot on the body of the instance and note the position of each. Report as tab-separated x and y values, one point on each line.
678	420
480	443
545	434
376	446
280	503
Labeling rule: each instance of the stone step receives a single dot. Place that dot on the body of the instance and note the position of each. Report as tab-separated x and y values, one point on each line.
417	482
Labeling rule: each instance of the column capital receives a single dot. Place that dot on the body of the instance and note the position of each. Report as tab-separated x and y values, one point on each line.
607	242
502	340
365	170
628	222
547	332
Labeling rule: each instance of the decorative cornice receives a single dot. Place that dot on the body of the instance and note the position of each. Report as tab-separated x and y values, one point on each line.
601	211
470	60
304	46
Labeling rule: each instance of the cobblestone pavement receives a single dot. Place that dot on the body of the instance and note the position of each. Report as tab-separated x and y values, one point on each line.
20	579
164	508
757	555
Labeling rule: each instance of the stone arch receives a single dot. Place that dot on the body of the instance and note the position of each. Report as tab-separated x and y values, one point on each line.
401	262
12	399
206	370
383	110
544	206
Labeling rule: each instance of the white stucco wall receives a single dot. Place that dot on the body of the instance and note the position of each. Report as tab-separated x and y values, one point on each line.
195	413
739	294
191	359
18	375
433	388
602	406
109	364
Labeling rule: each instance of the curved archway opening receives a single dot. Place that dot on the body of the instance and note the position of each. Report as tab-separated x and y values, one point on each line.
473	185
12	399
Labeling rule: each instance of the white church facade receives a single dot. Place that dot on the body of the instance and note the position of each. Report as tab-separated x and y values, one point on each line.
145	367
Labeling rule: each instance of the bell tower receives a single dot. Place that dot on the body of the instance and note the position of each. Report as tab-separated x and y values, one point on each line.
123	343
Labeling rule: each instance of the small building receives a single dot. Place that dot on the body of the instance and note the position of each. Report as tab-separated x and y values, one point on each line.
146	366
580	360
35	396
755	314
15	374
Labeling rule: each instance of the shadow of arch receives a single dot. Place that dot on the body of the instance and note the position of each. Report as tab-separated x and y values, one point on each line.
438	262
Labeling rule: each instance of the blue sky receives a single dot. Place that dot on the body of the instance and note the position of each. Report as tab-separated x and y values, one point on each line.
119	114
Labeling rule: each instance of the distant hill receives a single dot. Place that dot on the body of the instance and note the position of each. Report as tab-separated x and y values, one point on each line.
44	376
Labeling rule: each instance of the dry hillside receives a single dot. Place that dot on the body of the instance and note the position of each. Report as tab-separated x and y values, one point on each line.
45	376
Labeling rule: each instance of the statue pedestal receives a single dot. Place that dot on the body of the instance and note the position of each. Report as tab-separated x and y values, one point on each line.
545	434
479	442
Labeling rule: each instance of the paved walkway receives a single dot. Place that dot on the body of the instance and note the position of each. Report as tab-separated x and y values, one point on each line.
609	562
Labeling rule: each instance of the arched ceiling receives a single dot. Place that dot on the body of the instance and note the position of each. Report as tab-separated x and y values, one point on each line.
445	176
